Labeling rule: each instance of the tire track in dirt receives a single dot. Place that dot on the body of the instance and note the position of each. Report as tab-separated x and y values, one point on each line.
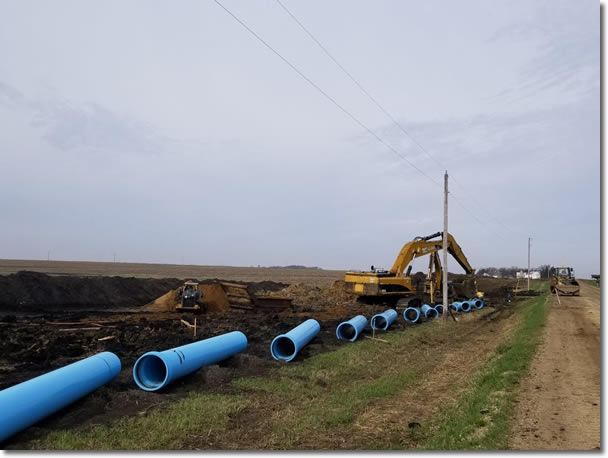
559	403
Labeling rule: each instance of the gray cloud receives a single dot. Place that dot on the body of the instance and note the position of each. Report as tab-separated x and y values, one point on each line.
87	127
566	37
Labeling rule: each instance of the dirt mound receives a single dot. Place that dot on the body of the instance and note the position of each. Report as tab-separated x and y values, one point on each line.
218	295
32	291
495	288
253	286
308	298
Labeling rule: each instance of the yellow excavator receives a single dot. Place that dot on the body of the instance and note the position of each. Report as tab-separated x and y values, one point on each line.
396	284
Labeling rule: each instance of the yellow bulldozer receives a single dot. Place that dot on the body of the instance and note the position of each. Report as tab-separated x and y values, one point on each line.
564	283
189	298
397	284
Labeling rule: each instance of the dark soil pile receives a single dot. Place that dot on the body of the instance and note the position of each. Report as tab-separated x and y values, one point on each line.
253	286
32	291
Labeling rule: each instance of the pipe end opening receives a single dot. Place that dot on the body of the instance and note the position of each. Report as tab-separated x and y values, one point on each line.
379	322
346	331
150	372
411	314
283	348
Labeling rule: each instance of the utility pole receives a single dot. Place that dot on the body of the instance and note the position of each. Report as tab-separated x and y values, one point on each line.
48	255
114	258
529	239
444	277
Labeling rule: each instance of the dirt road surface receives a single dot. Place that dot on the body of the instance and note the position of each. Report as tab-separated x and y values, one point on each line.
559	405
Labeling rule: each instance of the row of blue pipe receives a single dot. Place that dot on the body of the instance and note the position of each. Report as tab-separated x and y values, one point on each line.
413	314
26	403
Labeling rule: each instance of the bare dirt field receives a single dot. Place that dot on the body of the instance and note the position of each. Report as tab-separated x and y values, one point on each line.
559	405
318	277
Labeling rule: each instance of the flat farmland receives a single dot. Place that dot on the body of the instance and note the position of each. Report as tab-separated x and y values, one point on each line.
316	277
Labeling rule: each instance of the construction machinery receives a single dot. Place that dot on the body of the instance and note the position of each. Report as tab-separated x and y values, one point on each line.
189	298
396	284
564	282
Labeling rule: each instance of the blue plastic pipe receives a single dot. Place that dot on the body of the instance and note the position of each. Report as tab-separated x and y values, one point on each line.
411	314
466	306
155	370
428	311
456	306
24	404
351	329
439	309
286	346
383	320
477	303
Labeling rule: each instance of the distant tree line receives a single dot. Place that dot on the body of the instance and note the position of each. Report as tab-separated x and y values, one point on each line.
545	270
296	266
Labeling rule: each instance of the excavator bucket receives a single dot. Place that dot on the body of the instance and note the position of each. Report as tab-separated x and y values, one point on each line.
467	288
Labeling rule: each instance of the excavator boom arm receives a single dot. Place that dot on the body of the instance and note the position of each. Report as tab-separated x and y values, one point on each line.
421	246
457	253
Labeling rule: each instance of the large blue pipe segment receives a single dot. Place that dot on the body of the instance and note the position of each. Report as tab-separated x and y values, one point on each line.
24	404
155	370
439	309
411	314
351	329
383	320
286	346
428	311
456	306
477	303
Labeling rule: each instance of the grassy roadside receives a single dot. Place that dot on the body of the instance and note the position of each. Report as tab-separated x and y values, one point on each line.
316	403
480	418
593	283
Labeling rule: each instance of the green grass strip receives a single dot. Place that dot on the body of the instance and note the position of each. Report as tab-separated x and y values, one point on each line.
481	418
165	428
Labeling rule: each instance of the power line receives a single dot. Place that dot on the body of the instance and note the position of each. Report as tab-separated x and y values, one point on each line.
376	102
354	80
325	94
344	110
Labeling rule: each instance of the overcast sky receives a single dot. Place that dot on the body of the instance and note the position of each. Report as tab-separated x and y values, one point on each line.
165	132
